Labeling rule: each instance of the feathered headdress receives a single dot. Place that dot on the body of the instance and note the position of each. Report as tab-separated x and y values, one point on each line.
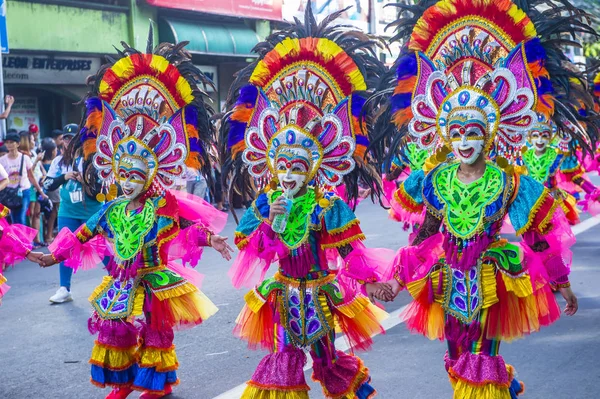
147	106
494	56
306	90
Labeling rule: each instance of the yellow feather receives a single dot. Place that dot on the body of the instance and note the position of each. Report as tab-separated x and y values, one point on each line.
184	89
159	63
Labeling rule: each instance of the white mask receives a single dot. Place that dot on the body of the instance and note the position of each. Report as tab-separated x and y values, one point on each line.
293	168
132	176
467	135
540	139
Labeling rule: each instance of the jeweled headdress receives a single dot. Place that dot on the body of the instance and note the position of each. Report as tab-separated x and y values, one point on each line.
147	106
488	59
305	91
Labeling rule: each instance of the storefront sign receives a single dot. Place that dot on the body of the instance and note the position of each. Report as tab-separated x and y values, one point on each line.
33	69
24	112
357	15
263	9
211	72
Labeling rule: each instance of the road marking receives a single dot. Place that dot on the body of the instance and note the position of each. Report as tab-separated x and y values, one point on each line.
342	344
585	225
217	353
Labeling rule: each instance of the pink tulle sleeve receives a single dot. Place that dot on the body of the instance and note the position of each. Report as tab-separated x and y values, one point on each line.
368	264
400	214
188	246
195	208
67	248
591	203
557	256
413	262
16	242
364	265
261	249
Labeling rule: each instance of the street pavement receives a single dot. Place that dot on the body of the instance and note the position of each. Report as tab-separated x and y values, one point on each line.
44	348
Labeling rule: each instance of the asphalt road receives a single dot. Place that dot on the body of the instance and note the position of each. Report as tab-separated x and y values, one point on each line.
44	348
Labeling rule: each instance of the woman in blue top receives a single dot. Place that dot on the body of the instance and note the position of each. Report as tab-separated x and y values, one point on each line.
76	207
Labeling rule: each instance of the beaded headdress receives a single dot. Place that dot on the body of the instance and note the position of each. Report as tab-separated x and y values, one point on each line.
147	106
306	91
485	59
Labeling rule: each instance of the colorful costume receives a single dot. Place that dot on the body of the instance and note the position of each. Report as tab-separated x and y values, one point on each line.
144	124
297	125
16	242
472	79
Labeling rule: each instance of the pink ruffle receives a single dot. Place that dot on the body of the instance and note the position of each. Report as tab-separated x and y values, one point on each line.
591	203
557	258
564	182
389	188
190	275
365	264
480	369
281	371
399	214
414	262
67	247
251	265
3	288
195	208
188	246
16	242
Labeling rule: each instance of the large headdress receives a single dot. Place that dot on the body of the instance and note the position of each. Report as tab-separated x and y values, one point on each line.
304	92
479	60
147	106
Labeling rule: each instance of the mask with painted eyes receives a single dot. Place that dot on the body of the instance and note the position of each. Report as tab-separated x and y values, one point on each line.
292	167
132	176
468	135
540	138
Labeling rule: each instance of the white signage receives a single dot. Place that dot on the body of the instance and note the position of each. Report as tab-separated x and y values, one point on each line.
211	73
43	69
24	112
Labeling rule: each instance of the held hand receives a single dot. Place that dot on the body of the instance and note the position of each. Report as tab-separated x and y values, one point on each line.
219	243
571	299
9	100
70	175
396	287
47	260
35	257
380	291
277	208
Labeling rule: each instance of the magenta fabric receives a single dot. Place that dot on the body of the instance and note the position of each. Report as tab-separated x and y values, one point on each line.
299	265
252	263
67	247
188	245
365	264
414	262
480	369
340	376
190	275
16	242
282	371
162	339
557	258
196	209
118	333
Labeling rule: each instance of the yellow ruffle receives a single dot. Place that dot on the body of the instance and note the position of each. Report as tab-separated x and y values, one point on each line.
464	390
202	305
520	286
2	279
355	307
174	292
254	392
112	358
364	314
163	359
488	286
254	301
138	302
106	281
